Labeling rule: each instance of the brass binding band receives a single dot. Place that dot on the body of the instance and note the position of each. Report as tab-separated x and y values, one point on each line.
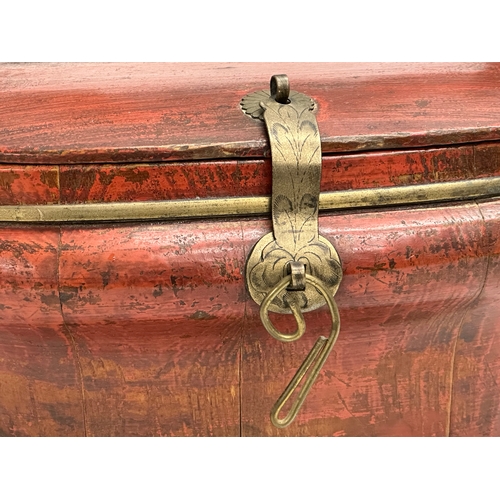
249	205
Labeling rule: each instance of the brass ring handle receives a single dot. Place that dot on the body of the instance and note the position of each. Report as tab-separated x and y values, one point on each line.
314	360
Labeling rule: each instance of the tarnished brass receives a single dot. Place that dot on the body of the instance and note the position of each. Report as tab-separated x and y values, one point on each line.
297	272
296	174
292	303
314	360
293	269
280	89
249	205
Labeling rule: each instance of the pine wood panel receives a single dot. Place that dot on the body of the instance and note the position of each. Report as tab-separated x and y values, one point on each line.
157	313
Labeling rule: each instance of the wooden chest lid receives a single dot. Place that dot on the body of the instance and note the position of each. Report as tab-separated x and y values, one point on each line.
116	113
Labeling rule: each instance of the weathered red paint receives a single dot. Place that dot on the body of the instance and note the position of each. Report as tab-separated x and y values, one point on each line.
159	341
85	113
103	183
147	329
29	185
475	409
157	335
207	179
409	277
40	393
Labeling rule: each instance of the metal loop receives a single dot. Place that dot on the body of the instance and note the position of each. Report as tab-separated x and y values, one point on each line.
297	272
294	306
280	88
313	362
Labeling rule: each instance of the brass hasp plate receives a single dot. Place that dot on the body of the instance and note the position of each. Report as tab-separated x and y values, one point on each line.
296	174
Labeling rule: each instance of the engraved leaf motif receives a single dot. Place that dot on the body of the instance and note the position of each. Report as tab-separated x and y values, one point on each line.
295	138
296	154
286	113
282	210
295	149
308	205
308	147
250	104
270	270
319	263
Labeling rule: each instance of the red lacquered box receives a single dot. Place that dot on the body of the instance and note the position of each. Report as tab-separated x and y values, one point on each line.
132	195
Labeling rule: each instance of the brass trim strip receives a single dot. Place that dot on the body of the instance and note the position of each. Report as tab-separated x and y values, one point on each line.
251	205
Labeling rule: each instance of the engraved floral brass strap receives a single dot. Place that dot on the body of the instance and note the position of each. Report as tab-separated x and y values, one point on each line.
296	157
293	269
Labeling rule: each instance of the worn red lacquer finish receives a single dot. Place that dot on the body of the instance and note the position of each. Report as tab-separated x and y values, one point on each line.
475	409
45	184
153	333
84	113
138	328
40	392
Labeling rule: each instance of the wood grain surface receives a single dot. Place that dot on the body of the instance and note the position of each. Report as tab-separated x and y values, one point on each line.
157	312
85	113
40	383
68	184
148	330
475	409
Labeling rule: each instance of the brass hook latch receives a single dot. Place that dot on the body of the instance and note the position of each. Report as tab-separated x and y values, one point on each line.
293	269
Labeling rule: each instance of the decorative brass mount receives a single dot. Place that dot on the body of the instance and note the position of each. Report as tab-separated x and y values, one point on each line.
296	159
293	269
